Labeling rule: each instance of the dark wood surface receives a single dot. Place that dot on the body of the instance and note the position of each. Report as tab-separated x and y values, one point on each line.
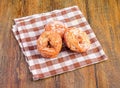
104	18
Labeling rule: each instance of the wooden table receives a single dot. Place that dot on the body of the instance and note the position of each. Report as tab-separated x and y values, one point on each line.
104	18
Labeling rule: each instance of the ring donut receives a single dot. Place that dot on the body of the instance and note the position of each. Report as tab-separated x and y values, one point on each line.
76	40
56	26
49	44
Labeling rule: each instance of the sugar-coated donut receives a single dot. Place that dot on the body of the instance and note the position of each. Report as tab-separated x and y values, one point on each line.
76	40
49	44
56	26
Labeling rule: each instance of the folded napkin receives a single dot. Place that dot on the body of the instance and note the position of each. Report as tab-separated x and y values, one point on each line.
28	29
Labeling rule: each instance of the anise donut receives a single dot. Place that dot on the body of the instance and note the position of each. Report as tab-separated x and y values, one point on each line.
49	44
76	40
56	26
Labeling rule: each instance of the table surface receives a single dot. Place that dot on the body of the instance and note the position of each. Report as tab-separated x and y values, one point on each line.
104	18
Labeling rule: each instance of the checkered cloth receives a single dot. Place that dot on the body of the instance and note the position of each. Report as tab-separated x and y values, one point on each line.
28	29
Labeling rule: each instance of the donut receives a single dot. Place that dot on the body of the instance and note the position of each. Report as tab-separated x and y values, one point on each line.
76	40
56	26
49	44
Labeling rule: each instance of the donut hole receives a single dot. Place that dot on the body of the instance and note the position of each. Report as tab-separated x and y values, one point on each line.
49	45
79	38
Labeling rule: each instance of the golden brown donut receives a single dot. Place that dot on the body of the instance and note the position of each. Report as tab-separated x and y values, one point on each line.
49	44
56	26
76	40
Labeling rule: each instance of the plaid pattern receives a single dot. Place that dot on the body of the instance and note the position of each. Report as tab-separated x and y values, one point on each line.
28	29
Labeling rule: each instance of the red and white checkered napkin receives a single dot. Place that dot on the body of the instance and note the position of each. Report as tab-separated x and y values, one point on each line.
28	29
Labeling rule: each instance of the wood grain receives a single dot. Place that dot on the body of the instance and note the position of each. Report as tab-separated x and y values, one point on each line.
104	18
